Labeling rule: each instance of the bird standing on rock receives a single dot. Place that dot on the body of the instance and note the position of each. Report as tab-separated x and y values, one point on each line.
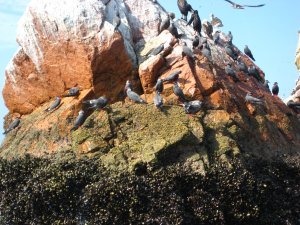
208	28
230	72
179	93
98	103
74	91
216	37
173	77
159	86
206	51
196	42
242	66
196	22
116	21
184	8
13	125
165	24
266	85
251	99
55	104
135	97
186	51
229	38
192	107
79	120
254	72
248	52
158	101
275	89
230	51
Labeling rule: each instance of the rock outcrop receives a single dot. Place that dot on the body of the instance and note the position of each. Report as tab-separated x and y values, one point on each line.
80	46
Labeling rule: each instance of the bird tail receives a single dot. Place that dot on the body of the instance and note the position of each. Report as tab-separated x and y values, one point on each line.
73	128
66	95
46	110
5	132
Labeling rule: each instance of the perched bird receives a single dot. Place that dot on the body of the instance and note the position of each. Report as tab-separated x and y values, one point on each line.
242	66
179	93
13	125
184	8
128	85
196	22
79	120
173	77
206	51
215	21
275	89
207	28
135	97
173	30
230	72
293	105
54	105
216	37
254	72
266	84
158	101
229	50
159	86
192	107
248	52
196	41
251	99
164	25
98	103
157	50
74	91
229	38
186	51
116	21
238	6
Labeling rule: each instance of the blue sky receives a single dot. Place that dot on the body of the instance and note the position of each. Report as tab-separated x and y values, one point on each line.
269	31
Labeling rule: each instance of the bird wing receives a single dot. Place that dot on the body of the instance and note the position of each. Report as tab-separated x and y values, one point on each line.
232	3
253	5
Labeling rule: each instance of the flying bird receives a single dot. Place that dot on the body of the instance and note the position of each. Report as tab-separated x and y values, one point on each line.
238	6
215	21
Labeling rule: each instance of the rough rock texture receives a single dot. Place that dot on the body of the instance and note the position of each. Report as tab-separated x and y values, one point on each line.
126	135
68	42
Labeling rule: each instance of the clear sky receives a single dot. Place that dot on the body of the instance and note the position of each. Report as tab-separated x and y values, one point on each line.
269	31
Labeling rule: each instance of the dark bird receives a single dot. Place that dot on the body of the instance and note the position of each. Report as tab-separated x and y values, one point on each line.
179	93
216	37
248	52
293	105
242	66
196	41
229	50
251	99
275	89
13	125
184	8
207	28
195	19
165	24
238	6
230	72
55	104
156	50
116	21
254	72
135	97
229	38
192	107
206	51
173	30
159	86
215	21
266	84
186	51
158	101
98	103
173	77
79	120
74	91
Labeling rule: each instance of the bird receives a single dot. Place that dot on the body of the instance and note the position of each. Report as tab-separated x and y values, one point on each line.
238	6
156	51
242	66
230	72
248	52
12	126
54	105
215	21
196	22
128	85
229	50
266	84
173	77
207	28
216	37
293	105
249	98
179	93
79	120
196	41
116	21
98	103
192	107
184	8
159	86
186	51
206	52
157	100
254	72
74	91
164	24
173	30
229	38
275	89
134	97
